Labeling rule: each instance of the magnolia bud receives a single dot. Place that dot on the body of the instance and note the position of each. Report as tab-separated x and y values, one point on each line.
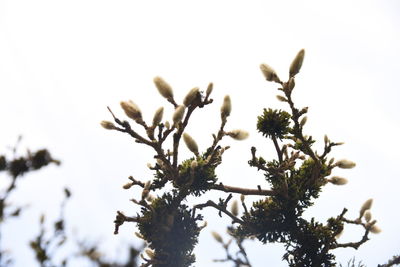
238	134
190	143
242	197
296	63
345	164
191	96
178	114
235	208
127	186
366	206
217	237
150	253
336	180
209	89
132	110
108	125
368	216
375	229
269	73
158	116
167	124
163	87
303	121
226	107
292	83
281	98
326	139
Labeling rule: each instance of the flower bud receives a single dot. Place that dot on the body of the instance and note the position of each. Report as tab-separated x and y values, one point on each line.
127	186
345	164
235	208
209	89
242	197
303	121
296	63
167	125
190	143
326	139
132	110
336	180
163	87
108	125
217	237
292	83
178	114
238	134
191	96
150	253
375	229
367	216
269	73
281	98
158	116
226	107
366	206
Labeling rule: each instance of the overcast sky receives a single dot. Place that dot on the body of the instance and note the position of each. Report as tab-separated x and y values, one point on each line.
63	62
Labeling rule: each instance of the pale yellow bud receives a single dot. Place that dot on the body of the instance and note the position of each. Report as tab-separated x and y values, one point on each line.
217	237
191	96
375	229
132	110
194	164
238	134
226	107
269	73
303	121
167	125
326	139
366	206
163	87
190	143
127	186
292	83
345	164
297	63
281	98
242	197
178	114
235	208
108	125
209	88
336	180
158	116
368	216
150	253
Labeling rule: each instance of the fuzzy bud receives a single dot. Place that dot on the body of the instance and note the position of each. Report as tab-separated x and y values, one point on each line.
292	83
366	206
242	197
158	116
345	164
368	216
281	98
226	107
336	180
127	186
217	237
375	229
178	114
132	110
269	73
150	253
190	143
194	164
209	89
297	63
108	125
163	87
303	121
235	208
191	96
167	125
238	134
326	139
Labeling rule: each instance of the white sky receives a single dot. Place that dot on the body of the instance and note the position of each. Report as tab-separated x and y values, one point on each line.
63	62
